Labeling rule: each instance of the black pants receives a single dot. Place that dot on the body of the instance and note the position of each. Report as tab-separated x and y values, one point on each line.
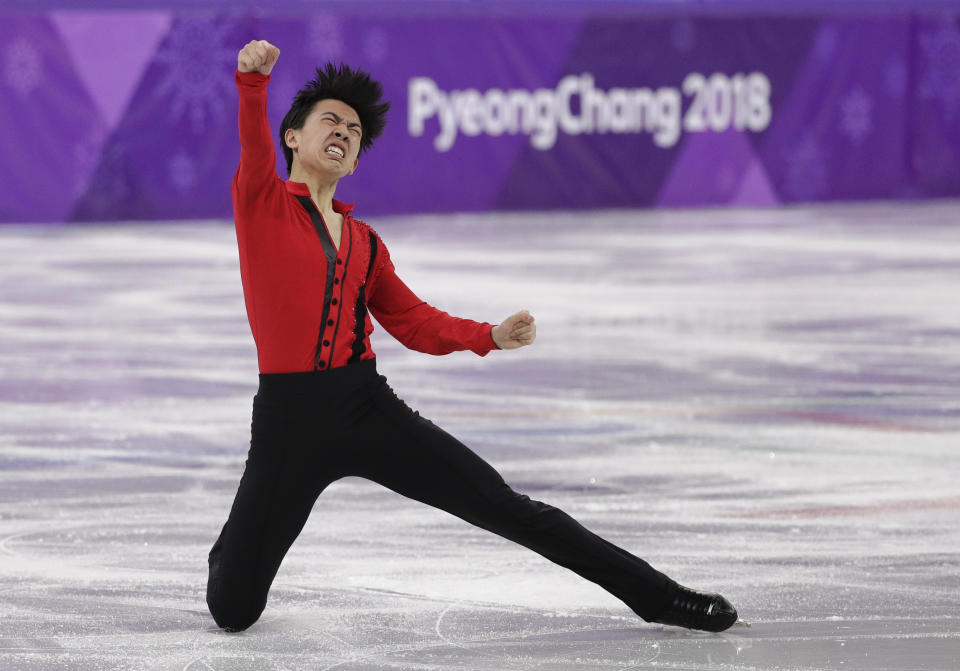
310	429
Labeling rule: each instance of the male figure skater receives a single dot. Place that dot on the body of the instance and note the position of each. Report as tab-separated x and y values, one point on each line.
311	272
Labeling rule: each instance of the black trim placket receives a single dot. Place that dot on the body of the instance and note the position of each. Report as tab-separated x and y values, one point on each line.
330	252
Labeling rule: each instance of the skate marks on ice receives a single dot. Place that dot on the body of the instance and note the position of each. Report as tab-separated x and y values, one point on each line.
472	635
761	403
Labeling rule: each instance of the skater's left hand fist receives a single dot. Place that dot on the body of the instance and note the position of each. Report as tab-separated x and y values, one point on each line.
516	331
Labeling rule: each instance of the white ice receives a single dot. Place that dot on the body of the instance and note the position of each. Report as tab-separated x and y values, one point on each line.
763	403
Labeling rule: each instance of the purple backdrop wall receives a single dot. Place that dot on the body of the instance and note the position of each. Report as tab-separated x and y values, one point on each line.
130	114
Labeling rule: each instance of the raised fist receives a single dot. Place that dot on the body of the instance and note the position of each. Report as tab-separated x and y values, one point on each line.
257	56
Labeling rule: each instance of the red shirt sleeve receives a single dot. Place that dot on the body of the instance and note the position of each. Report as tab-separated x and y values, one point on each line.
256	182
416	324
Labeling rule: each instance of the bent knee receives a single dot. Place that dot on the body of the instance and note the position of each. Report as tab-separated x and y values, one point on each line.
232	614
233	618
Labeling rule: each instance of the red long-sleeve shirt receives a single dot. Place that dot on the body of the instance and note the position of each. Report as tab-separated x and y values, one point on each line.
306	300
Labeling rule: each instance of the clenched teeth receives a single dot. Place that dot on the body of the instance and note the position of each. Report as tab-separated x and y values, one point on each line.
336	151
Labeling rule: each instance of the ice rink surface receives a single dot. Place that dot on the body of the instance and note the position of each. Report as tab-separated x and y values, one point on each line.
762	403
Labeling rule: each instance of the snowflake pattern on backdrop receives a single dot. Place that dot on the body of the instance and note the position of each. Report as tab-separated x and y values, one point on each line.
856	115
806	177
325	38
376	45
197	78
941	72
22	66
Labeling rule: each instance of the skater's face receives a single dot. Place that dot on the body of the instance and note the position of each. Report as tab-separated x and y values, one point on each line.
329	142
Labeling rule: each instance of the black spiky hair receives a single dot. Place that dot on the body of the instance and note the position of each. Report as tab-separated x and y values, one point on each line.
352	87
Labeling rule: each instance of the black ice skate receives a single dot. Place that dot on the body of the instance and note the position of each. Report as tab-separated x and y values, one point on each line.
698	610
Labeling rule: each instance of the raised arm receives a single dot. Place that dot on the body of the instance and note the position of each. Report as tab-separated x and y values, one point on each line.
257	155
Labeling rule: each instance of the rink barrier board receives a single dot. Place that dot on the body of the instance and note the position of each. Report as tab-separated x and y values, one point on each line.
117	114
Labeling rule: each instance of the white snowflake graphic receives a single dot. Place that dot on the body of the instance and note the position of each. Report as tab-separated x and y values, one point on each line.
182	172
376	46
807	177
197	79
895	78
325	38
941	72
856	115
22	66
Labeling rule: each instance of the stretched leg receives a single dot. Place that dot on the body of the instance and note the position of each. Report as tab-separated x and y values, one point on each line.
400	450
279	486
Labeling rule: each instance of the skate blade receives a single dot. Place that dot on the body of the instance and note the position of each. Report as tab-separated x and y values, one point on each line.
741	624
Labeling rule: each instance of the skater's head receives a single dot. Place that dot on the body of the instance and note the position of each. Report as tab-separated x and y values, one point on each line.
339	110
